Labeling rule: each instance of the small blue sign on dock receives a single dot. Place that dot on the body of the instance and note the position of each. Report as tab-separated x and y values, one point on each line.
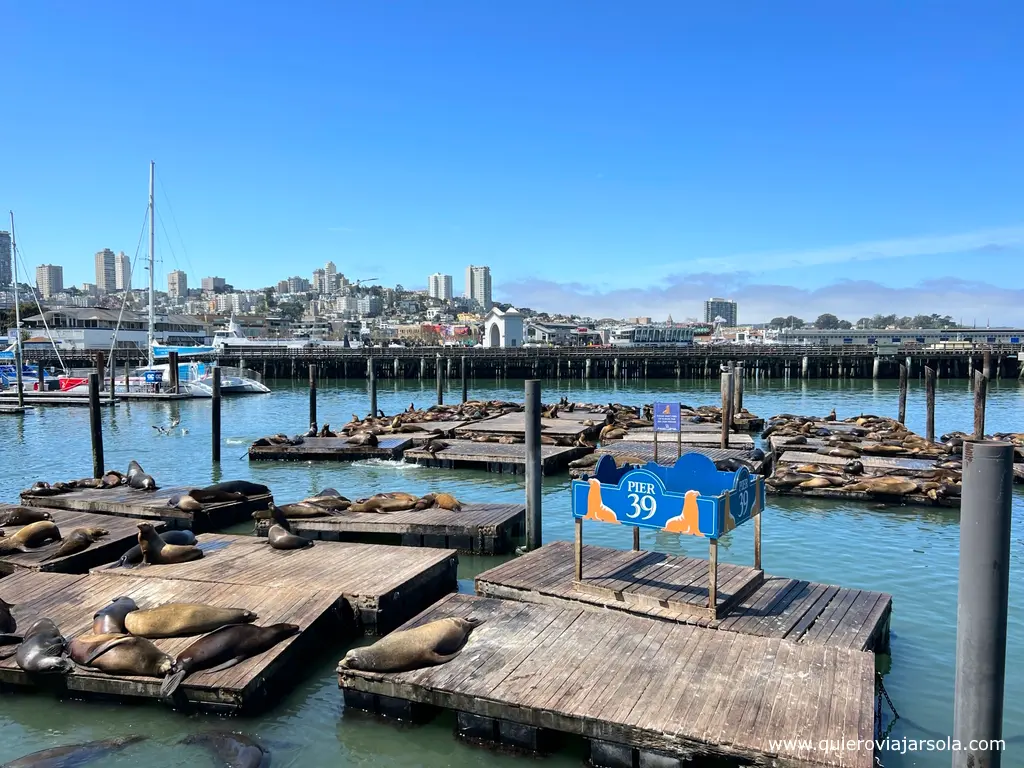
666	417
153	377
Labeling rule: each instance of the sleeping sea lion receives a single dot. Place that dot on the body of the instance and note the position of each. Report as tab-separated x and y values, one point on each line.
87	482
885	486
434	446
232	749
447	501
156	551
32	535
363	438
42	649
385	502
73	754
185	502
23	515
183	619
433	643
222	649
280	535
134	555
120	655
844	453
110	619
336	503
112	479
78	540
243	487
298	511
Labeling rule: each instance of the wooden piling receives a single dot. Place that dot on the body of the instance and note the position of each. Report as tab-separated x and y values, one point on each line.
312	395
100	365
172	369
113	372
986	365
440	380
372	373
727	390
465	383
980	392
215	426
737	391
902	418
127	374
534	470
95	425
929	402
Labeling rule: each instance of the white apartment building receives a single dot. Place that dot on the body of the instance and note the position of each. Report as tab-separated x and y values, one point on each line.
478	286
440	286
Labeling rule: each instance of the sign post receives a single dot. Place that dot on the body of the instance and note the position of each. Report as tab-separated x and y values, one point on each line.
666	419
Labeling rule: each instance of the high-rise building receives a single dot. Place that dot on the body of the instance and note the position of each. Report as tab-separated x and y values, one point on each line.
211	284
177	284
106	275
282	286
478	286
122	272
439	286
5	258
720	308
331	276
298	284
49	279
319	281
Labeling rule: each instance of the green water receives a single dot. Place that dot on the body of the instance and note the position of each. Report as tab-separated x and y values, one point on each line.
909	552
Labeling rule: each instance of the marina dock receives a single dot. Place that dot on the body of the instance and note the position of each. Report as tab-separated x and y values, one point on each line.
509	458
377	587
642	691
128	502
706	438
667	587
124	534
484	529
568	425
629	451
46	398
331	449
70	601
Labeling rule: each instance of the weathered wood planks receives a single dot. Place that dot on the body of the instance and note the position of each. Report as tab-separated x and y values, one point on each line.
494	457
383	585
667	453
151	506
567	424
122	537
790	609
674	689
331	449
490	529
706	439
71	601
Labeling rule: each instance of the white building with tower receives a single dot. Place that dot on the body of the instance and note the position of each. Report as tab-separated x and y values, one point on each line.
478	286
503	329
440	286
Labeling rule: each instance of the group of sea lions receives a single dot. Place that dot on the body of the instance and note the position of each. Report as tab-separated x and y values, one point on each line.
38	530
329	503
135	477
229	490
120	641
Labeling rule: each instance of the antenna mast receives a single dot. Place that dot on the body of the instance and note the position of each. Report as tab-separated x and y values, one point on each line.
17	317
152	241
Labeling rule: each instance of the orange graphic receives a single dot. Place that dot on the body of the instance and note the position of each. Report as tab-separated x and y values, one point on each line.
667	411
596	510
730	521
687	522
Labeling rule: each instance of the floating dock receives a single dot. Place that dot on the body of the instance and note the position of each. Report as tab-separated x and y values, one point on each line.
644	692
566	425
381	586
71	601
627	449
150	506
331	449
14	409
45	398
702	439
124	534
494	457
666	587
483	529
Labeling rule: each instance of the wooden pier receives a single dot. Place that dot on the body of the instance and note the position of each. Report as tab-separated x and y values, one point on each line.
46	398
629	451
566	425
709	438
331	449
666	587
123	501
124	534
642	691
484	529
70	601
494	457
380	586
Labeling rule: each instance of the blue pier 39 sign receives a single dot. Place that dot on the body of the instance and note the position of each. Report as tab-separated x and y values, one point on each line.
666	417
691	497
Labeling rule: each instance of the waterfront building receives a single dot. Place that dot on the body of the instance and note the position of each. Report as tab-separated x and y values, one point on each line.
503	329
177	284
49	279
106	274
440	286
92	328
902	337
720	308
122	272
478	286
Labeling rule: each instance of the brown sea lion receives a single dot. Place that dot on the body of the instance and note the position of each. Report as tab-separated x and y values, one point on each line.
280	535
73	754
885	486
110	619
23	515
87	482
112	479
185	502
435	446
447	501
134	555
31	536
331	503
142	482
363	438
843	453
583	462
433	643
121	655
78	540
156	551
183	619
385	502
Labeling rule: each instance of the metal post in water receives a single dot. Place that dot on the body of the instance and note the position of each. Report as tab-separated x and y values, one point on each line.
982	601
533	466
980	392
903	394
95	425
929	403
440	380
312	395
372	373
216	414
465	383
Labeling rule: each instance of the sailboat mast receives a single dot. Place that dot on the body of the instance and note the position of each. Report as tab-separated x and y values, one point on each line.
17	317
152	241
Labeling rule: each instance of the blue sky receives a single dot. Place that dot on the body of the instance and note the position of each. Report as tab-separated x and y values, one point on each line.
602	158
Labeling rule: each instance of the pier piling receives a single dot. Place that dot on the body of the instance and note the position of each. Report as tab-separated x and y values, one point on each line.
371	372
440	380
980	392
533	466
95	425
465	383
986	365
929	403
982	602
737	391
172	369
215	415
727	390
113	375
312	394
902	418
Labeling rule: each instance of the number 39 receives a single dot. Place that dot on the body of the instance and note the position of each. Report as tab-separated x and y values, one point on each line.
642	504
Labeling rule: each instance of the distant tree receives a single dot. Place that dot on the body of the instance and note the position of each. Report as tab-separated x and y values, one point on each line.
786	322
827	322
269	298
291	309
863	324
845	325
883	321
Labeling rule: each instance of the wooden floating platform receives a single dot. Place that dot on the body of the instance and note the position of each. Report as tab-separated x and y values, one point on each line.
873	465
14	409
567	424
838	494
667	453
706	439
124	534
44	398
434	429
495	457
254	684
486	529
382	586
780	446
153	396
150	506
331	449
642	691
653	585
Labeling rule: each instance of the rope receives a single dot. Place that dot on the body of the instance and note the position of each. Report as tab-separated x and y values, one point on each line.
42	314
124	299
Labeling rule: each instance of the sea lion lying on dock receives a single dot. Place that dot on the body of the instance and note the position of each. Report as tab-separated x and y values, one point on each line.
428	645
183	619
43	649
23	515
385	502
31	536
441	500
138	479
118	654
280	535
77	541
110	619
134	555
40	488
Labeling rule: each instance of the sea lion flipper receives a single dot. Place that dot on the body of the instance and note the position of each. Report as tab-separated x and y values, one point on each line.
171	683
104	647
442	658
226	665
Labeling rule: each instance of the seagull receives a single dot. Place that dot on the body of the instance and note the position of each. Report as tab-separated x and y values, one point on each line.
184	430
175	422
161	430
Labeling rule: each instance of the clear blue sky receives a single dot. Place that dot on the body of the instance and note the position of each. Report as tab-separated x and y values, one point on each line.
607	158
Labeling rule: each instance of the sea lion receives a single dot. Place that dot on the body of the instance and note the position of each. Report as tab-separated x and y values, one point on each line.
78	540
385	502
42	649
87	482
113	478
142	482
121	655
243	487
312	430
433	643
330	492
23	515
328	503
185	502
819	482
363	438
134	468
156	551
73	754
280	535
854	467
222	649
788	479
885	486
183	619
844	453
232	749
435	446
110	619
297	511
583	462
32	535
134	555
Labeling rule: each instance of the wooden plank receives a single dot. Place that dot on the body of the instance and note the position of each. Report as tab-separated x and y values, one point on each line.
494	457
331	449
667	441
878	463
567	424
